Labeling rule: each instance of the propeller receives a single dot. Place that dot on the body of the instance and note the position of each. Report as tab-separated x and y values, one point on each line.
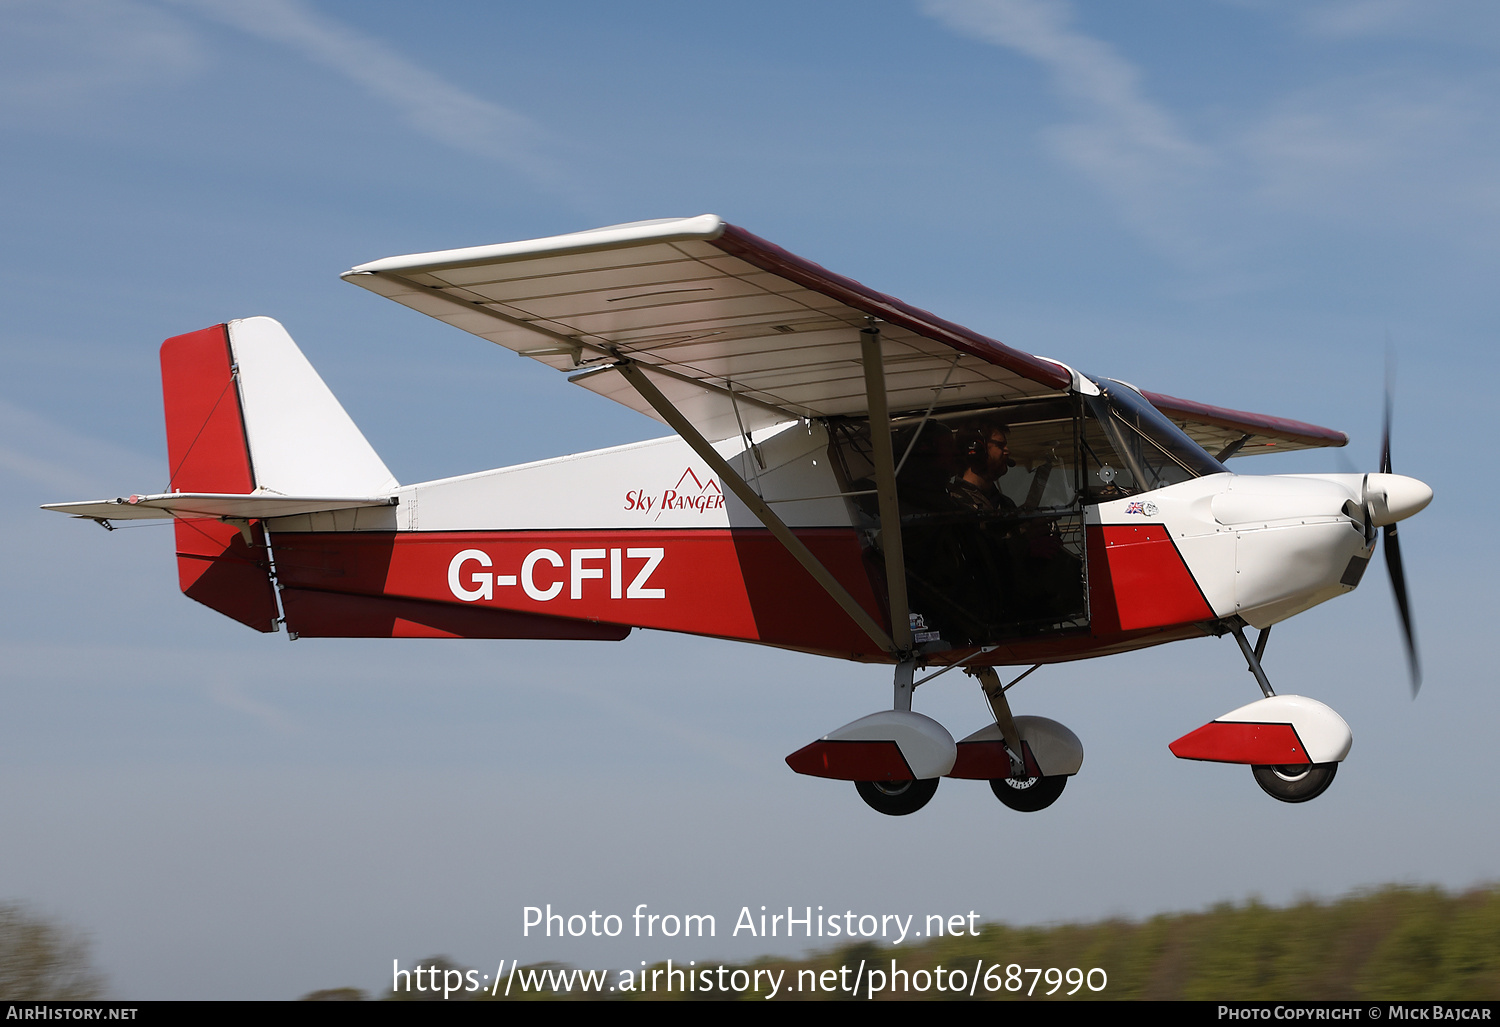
1387	500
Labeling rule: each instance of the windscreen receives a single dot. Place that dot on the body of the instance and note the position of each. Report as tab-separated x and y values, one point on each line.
1150	452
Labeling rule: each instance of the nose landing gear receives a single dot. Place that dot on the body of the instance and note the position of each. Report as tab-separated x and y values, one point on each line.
1293	744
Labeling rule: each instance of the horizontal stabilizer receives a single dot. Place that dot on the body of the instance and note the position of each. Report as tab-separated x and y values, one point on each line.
212	504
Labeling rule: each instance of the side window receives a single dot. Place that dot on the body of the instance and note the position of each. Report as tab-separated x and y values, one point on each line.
1108	474
1044	475
991	507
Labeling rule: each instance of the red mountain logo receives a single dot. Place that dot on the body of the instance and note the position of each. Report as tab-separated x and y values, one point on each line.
690	493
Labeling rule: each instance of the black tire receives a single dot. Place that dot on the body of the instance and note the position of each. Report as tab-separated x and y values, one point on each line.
1029	794
1295	782
897	798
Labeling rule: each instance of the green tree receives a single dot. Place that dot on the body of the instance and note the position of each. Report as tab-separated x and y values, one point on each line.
42	960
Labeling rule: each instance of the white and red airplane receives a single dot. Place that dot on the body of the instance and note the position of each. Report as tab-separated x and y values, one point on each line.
850	476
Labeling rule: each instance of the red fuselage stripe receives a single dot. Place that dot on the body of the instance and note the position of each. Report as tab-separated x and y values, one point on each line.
1138	580
732	584
728	583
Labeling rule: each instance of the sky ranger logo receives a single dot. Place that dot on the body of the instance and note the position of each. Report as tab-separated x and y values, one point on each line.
688	494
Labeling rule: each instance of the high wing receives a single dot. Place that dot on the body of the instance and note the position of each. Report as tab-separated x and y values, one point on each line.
732	329
736	332
1226	433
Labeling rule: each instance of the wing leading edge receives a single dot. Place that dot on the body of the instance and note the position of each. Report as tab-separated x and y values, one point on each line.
1227	433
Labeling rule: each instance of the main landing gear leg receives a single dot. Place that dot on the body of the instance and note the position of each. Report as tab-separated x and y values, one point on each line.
1293	782
994	691
1022	790
905	670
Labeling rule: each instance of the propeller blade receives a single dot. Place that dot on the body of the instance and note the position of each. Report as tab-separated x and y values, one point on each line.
1403	604
1392	547
1385	435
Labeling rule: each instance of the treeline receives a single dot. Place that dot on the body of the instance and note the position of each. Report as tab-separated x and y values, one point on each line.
43	960
1395	943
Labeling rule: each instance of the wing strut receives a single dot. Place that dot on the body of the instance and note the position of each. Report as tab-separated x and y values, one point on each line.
885	488
633	374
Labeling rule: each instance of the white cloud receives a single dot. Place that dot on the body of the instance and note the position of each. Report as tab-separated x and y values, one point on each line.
1129	146
1392	151
1103	86
1366	148
57	54
1468	23
232	697
45	453
1357	17
425	101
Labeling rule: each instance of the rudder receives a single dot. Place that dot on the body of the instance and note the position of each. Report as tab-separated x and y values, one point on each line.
207	451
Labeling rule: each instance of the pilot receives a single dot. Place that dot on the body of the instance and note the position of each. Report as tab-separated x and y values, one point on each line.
985	449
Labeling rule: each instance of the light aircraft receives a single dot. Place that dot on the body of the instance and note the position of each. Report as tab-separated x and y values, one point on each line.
850	476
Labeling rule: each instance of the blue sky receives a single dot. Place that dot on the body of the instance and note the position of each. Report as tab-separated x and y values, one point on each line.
1235	202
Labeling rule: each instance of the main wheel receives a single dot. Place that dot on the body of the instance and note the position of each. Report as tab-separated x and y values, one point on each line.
1296	782
897	798
1028	794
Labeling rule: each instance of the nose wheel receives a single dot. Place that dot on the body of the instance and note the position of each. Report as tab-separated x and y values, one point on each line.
1295	782
897	798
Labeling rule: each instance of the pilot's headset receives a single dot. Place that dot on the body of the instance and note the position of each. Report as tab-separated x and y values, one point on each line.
974	444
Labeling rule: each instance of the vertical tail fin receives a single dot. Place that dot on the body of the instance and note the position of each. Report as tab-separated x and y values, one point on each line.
246	412
301	441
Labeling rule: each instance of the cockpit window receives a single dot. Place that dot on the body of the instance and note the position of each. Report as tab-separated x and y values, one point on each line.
992	519
1149	451
1133	408
993	503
